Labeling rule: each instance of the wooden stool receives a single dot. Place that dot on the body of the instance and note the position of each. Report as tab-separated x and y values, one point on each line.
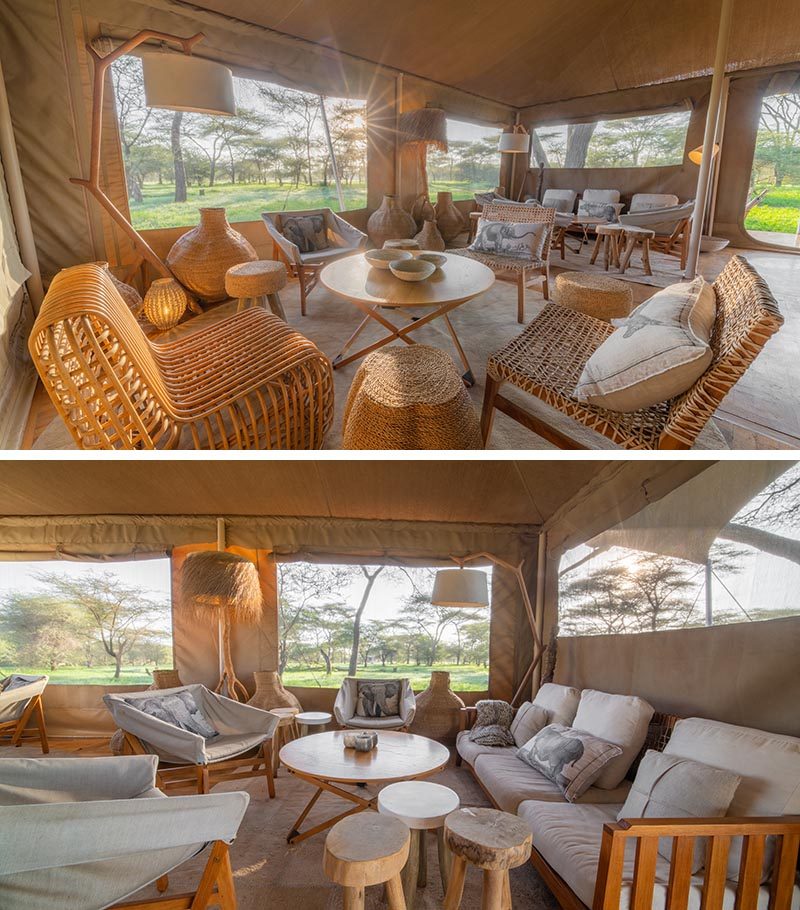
367	849
285	732
490	840
608	237
308	719
631	236
596	295
423	807
409	398
257	284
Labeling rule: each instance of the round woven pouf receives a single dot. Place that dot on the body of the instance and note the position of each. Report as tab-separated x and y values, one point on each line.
257	284
596	295
409	398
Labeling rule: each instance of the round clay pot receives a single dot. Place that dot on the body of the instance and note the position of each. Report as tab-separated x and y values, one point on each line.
429	237
448	218
390	222
270	692
438	709
201	257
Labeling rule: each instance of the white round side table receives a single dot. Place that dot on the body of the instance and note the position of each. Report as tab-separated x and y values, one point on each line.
422	806
308	719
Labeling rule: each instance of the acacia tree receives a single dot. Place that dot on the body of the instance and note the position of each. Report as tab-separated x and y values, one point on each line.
40	629
299	112
779	135
370	578
132	115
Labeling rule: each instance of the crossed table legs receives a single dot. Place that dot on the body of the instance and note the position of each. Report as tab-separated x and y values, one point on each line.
324	786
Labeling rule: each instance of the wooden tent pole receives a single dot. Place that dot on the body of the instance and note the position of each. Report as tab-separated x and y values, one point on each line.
221	616
712	116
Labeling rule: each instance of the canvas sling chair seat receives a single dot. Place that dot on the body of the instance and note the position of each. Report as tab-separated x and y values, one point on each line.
21	703
243	737
346	706
342	238
548	357
86	833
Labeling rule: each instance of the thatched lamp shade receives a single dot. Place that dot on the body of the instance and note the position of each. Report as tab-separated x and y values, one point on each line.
425	126
165	303
216	581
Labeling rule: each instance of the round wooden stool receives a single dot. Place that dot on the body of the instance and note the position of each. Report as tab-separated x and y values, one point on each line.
257	284
409	398
308	719
367	849
608	238
490	840
422	806
285	732
596	295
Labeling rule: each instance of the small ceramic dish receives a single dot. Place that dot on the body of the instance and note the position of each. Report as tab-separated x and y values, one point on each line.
438	259
380	259
412	269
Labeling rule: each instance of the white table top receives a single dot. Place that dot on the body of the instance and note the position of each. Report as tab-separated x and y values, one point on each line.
309	718
418	804
459	279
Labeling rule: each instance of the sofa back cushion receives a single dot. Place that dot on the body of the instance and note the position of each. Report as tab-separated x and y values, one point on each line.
561	702
619	719
528	721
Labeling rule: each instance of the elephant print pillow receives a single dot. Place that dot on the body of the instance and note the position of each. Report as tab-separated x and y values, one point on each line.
506	238
570	758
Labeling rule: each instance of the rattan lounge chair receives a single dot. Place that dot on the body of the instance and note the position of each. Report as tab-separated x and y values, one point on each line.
343	239
346	706
21	703
547	359
240	748
520	268
245	382
86	833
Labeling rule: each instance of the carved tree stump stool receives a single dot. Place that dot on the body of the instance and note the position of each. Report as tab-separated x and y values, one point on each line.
422	806
609	238
491	840
631	235
367	849
257	284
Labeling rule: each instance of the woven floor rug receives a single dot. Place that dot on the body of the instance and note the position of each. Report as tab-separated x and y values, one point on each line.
666	269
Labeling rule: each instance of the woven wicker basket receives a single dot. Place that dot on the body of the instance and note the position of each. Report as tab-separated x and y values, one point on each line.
438	710
270	692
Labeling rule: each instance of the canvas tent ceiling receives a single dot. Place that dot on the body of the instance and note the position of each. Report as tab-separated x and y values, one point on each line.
524	53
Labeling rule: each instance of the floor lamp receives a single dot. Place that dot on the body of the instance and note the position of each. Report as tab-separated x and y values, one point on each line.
468	588
203	87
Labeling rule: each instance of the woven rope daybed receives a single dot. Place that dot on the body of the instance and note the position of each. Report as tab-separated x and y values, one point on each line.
547	359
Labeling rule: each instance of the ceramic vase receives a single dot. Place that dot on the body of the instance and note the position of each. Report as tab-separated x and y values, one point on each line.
390	222
422	210
438	709
429	237
270	692
201	257
448	218
130	295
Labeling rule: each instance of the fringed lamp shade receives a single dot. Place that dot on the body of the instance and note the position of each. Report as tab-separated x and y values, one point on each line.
460	588
214	582
425	126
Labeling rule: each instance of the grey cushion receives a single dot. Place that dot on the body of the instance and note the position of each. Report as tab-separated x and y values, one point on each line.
570	758
231	745
17	681
507	238
667	786
528	721
307	232
378	699
470	750
492	725
176	708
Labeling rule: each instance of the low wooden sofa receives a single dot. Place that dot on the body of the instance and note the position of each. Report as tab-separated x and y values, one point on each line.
589	858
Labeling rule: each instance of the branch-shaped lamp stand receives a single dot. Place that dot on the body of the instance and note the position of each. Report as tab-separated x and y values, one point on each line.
228	684
92	183
516	570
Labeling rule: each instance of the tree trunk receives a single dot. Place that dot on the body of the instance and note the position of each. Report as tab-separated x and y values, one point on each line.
766	541
539	154
118	659
177	157
578	138
353	667
326	657
212	173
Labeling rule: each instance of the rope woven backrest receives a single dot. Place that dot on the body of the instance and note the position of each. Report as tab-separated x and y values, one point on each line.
97	365
747	315
518	214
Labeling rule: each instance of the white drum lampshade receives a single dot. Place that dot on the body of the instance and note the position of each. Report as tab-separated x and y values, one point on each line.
517	143
460	588
181	82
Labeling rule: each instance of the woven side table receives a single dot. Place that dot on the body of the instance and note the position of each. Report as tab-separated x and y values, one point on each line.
409	398
596	295
257	284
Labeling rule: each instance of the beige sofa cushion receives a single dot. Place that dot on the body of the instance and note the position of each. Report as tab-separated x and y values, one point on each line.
618	719
561	702
469	750
659	351
528	721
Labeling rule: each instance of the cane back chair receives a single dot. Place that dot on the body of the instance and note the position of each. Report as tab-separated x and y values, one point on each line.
521	269
245	382
548	358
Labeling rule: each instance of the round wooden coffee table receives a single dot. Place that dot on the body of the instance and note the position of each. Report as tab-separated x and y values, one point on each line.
372	290
323	760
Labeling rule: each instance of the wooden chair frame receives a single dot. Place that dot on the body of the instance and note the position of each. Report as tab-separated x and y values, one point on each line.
201	778
216	888
676	243
17	730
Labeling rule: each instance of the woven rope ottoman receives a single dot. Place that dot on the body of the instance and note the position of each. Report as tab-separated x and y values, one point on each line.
596	295
409	398
257	284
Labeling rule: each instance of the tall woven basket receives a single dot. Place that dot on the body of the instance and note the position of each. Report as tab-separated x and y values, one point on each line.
438	710
270	692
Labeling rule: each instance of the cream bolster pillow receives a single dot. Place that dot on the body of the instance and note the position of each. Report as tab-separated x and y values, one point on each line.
570	758
667	786
619	719
658	352
507	238
528	721
560	702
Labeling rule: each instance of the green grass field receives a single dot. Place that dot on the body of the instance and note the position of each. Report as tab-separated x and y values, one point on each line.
779	211
463	678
